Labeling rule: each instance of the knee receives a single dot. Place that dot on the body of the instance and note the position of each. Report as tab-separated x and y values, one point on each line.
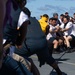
60	42
55	42
69	38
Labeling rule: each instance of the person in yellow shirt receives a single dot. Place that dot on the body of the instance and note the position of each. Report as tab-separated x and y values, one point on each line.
44	22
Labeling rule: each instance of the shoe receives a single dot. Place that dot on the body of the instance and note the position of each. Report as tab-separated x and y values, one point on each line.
68	50
61	49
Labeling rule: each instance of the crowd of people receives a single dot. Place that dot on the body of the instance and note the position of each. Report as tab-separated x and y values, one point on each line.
22	36
59	31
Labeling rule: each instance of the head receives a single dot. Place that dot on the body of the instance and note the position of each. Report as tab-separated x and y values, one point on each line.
71	19
50	21
21	3
27	11
74	15
40	16
65	20
55	15
53	21
45	17
62	16
66	14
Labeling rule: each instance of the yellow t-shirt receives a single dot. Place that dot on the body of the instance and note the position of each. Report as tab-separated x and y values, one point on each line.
43	23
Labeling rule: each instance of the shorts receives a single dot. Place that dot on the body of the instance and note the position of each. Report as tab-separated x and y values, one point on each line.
52	39
57	38
73	37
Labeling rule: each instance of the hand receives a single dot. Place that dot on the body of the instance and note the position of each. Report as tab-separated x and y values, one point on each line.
62	30
57	27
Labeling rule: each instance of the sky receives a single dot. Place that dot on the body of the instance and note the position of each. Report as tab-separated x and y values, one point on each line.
40	7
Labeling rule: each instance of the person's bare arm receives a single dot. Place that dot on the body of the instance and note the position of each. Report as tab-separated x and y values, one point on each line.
65	29
22	31
53	31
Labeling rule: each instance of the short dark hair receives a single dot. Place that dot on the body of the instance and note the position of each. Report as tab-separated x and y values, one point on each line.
66	12
52	18
54	14
74	14
68	18
61	14
45	15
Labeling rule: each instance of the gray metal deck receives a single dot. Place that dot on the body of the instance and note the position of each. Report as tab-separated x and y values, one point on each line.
66	64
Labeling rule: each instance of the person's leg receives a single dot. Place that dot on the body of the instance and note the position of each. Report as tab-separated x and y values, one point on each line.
44	56
50	60
61	47
50	46
56	67
24	61
67	40
34	69
28	63
17	67
55	42
60	42
25	53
